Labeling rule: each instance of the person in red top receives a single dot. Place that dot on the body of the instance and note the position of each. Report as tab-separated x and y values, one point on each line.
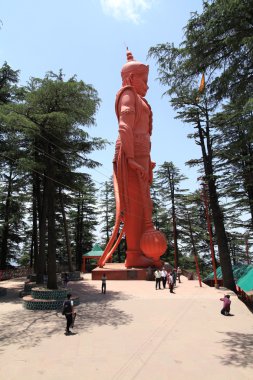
170	281
226	305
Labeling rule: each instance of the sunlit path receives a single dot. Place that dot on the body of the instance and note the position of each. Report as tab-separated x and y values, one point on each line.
132	332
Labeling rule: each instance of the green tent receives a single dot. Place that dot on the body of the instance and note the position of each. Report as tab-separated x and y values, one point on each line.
243	275
246	281
95	254
211	275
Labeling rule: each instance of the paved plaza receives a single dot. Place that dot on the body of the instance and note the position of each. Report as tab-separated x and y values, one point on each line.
132	332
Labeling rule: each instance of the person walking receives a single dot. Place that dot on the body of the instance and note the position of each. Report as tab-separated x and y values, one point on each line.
158	279
170	280
68	311
226	305
65	279
179	272
103	283
164	277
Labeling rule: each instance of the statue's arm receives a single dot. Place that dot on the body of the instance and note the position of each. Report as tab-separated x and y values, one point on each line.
127	113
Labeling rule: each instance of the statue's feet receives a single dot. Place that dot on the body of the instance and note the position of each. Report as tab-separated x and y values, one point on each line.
158	264
139	260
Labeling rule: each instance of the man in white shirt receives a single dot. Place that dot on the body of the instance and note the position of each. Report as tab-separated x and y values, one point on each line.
164	277
158	279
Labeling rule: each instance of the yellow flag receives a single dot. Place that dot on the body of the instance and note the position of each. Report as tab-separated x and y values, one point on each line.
202	84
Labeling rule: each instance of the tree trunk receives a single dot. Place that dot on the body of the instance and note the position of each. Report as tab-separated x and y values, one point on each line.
34	248
42	233
79	234
172	193
51	267
5	231
175	235
81	242
66	233
225	260
194	249
77	237
248	185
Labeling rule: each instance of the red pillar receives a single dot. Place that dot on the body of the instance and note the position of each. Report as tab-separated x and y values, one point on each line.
84	264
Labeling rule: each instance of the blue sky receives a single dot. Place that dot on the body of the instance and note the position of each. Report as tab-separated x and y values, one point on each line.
89	38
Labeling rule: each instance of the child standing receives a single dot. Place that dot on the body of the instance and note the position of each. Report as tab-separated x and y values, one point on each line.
226	305
104	283
170	280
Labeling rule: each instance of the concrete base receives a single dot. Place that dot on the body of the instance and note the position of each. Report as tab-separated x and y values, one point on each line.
118	271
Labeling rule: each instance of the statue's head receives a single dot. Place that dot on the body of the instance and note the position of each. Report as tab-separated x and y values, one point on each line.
133	69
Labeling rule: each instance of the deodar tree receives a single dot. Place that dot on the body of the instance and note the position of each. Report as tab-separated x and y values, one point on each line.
219	44
50	123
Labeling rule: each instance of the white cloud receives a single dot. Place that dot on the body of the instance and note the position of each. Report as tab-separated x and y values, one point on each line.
126	10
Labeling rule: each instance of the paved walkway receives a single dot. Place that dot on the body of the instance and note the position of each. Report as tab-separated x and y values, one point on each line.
132	332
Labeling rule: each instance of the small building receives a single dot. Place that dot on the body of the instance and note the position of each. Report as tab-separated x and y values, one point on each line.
94	254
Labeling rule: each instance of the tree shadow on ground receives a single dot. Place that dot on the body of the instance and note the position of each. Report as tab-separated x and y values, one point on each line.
239	349
13	290
29	327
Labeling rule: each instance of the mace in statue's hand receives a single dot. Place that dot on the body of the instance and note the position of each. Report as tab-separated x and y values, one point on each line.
138	168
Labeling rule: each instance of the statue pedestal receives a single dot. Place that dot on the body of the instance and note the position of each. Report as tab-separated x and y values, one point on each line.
118	271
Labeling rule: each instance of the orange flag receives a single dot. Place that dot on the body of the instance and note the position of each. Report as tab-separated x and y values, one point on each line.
202	84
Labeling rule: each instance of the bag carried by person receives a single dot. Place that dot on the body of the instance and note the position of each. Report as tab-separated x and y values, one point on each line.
67	308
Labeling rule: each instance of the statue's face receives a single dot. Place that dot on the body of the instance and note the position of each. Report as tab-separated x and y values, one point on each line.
140	83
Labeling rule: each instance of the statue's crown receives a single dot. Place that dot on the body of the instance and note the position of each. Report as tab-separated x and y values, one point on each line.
133	66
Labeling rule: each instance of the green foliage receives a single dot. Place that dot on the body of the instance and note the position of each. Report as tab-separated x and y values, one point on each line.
44	141
24	260
221	40
107	210
8	78
219	43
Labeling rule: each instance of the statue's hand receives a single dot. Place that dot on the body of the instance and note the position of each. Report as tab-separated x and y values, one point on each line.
138	168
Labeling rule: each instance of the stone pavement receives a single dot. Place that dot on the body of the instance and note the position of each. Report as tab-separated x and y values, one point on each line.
132	332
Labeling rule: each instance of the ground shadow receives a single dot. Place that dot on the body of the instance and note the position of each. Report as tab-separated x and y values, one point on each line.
90	293
239	349
13	290
28	328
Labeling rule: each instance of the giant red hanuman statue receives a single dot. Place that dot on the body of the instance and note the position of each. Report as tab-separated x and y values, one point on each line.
133	172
